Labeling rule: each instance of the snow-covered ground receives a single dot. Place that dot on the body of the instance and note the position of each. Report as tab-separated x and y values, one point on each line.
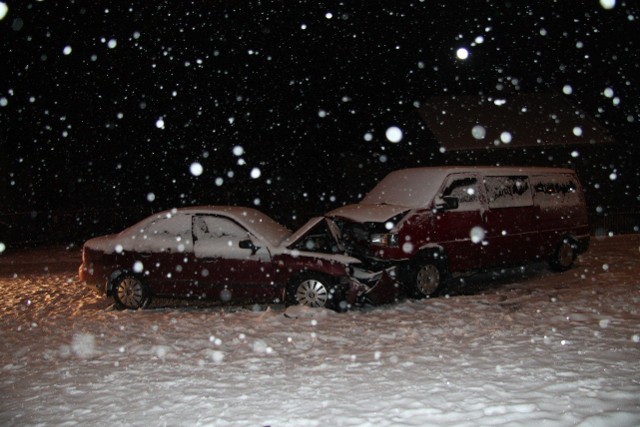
536	348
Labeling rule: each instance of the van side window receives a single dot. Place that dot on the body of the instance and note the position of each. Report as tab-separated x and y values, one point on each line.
554	187
555	190
465	190
508	191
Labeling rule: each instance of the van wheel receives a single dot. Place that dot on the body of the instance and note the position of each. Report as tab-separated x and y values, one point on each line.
426	280
130	292
564	256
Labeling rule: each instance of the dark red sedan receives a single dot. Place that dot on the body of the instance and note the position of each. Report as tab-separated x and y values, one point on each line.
235	255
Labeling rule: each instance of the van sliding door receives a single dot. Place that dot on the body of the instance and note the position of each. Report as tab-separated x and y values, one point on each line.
510	220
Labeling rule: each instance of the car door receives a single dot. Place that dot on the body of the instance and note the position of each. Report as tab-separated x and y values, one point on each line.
510	220
231	263
460	230
163	251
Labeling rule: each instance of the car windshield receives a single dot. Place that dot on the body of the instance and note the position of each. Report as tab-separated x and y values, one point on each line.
264	227
413	188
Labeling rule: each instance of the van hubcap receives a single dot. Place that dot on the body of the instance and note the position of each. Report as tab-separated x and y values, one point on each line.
428	279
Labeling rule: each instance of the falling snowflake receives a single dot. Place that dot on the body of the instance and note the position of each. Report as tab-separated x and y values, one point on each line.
462	53
196	169
394	134
477	234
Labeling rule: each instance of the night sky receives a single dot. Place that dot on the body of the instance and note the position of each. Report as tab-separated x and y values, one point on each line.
109	109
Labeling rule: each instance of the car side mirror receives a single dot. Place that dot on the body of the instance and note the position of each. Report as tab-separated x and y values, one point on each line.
248	244
448	204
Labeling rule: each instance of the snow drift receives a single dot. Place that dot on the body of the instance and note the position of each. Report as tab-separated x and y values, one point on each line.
530	347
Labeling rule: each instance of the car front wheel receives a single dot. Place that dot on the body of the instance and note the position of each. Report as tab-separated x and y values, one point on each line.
313	290
130	292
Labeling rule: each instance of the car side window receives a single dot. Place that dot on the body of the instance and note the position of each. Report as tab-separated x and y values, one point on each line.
171	233
170	226
215	227
465	189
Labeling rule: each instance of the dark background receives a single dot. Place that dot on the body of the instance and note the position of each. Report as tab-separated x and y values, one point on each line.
297	85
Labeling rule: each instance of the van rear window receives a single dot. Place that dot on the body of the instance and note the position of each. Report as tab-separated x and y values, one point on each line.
555	190
555	187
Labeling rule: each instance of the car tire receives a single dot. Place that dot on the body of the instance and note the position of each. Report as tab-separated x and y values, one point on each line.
130	292
314	290
564	255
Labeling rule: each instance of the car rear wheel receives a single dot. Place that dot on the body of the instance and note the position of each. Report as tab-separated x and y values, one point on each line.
564	255
130	292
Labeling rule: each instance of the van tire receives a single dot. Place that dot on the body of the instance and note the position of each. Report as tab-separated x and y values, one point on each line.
564	255
426	278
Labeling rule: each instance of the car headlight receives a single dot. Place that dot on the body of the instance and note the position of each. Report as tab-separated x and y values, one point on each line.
387	239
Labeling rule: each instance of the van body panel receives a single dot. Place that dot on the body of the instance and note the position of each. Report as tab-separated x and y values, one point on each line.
510	218
501	216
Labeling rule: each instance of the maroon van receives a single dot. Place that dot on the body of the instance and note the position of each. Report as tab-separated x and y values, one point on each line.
441	222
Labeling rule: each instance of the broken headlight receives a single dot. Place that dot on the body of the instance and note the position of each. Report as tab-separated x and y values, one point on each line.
384	239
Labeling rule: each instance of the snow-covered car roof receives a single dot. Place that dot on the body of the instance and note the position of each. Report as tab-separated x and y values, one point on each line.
261	225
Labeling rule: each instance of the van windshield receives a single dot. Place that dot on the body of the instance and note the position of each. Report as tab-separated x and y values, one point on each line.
413	188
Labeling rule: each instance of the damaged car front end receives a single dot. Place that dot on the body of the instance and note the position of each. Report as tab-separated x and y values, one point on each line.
370	283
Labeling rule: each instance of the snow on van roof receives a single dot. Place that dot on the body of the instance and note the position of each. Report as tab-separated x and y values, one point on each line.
411	188
502	170
416	187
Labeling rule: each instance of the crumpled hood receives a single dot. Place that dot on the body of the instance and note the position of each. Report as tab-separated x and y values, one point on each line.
296	235
368	213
